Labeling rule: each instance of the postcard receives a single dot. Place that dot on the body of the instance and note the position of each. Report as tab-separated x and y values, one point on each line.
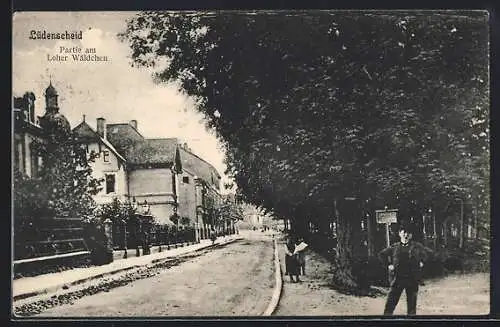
251	164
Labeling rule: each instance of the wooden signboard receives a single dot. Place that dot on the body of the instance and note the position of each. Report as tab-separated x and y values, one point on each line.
387	217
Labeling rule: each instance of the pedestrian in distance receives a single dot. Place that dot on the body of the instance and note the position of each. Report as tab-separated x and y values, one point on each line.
213	235
301	257
405	260
291	261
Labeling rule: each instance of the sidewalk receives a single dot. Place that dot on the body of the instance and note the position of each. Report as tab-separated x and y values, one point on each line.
32	286
466	294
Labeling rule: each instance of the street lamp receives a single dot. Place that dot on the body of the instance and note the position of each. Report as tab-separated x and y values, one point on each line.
146	227
134	204
145	207
125	254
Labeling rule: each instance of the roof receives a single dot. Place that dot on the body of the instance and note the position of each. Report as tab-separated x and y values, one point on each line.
122	136
199	167
152	152
85	133
138	150
50	90
21	124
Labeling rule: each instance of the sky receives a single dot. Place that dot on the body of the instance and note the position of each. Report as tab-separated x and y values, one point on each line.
113	90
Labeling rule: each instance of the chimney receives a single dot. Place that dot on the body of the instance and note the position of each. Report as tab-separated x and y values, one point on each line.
185	146
101	127
133	123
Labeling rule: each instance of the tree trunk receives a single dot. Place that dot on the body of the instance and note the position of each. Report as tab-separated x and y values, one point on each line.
424	228
475	224
434	240
346	276
461	231
370	224
299	227
445	232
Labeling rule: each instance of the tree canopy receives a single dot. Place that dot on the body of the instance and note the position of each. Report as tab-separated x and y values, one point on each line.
389	107
314	104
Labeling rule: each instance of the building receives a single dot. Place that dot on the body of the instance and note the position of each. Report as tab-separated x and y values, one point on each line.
27	129
199	188
168	176
172	180
153	165
108	165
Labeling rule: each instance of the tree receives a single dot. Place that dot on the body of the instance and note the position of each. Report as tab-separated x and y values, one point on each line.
64	185
315	108
119	212
231	210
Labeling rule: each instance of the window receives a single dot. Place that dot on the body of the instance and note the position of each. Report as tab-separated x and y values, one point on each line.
17	155
185	179
33	161
110	183
105	156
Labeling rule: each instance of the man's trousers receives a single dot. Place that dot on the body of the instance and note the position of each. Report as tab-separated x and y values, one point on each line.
397	287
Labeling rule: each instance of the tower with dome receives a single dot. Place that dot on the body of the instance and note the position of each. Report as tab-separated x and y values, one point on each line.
53	120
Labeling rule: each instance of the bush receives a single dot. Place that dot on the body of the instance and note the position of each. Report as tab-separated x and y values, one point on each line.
96	241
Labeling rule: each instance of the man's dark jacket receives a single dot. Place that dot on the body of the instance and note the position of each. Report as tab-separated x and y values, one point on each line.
417	253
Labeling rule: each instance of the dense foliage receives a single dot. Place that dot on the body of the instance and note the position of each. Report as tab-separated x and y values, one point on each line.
64	186
389	108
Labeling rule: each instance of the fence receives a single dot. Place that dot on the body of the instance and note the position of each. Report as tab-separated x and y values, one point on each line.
47	236
142	232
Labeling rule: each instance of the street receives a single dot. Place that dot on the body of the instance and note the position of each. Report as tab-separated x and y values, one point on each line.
234	280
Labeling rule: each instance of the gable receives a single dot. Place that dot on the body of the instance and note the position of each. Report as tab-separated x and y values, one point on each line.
85	134
199	167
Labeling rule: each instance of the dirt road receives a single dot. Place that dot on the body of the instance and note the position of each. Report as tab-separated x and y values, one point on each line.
236	280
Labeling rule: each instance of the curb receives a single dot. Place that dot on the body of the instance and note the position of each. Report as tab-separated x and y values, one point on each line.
65	286
279	283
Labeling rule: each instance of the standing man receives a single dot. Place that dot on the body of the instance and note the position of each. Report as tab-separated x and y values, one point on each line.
404	260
